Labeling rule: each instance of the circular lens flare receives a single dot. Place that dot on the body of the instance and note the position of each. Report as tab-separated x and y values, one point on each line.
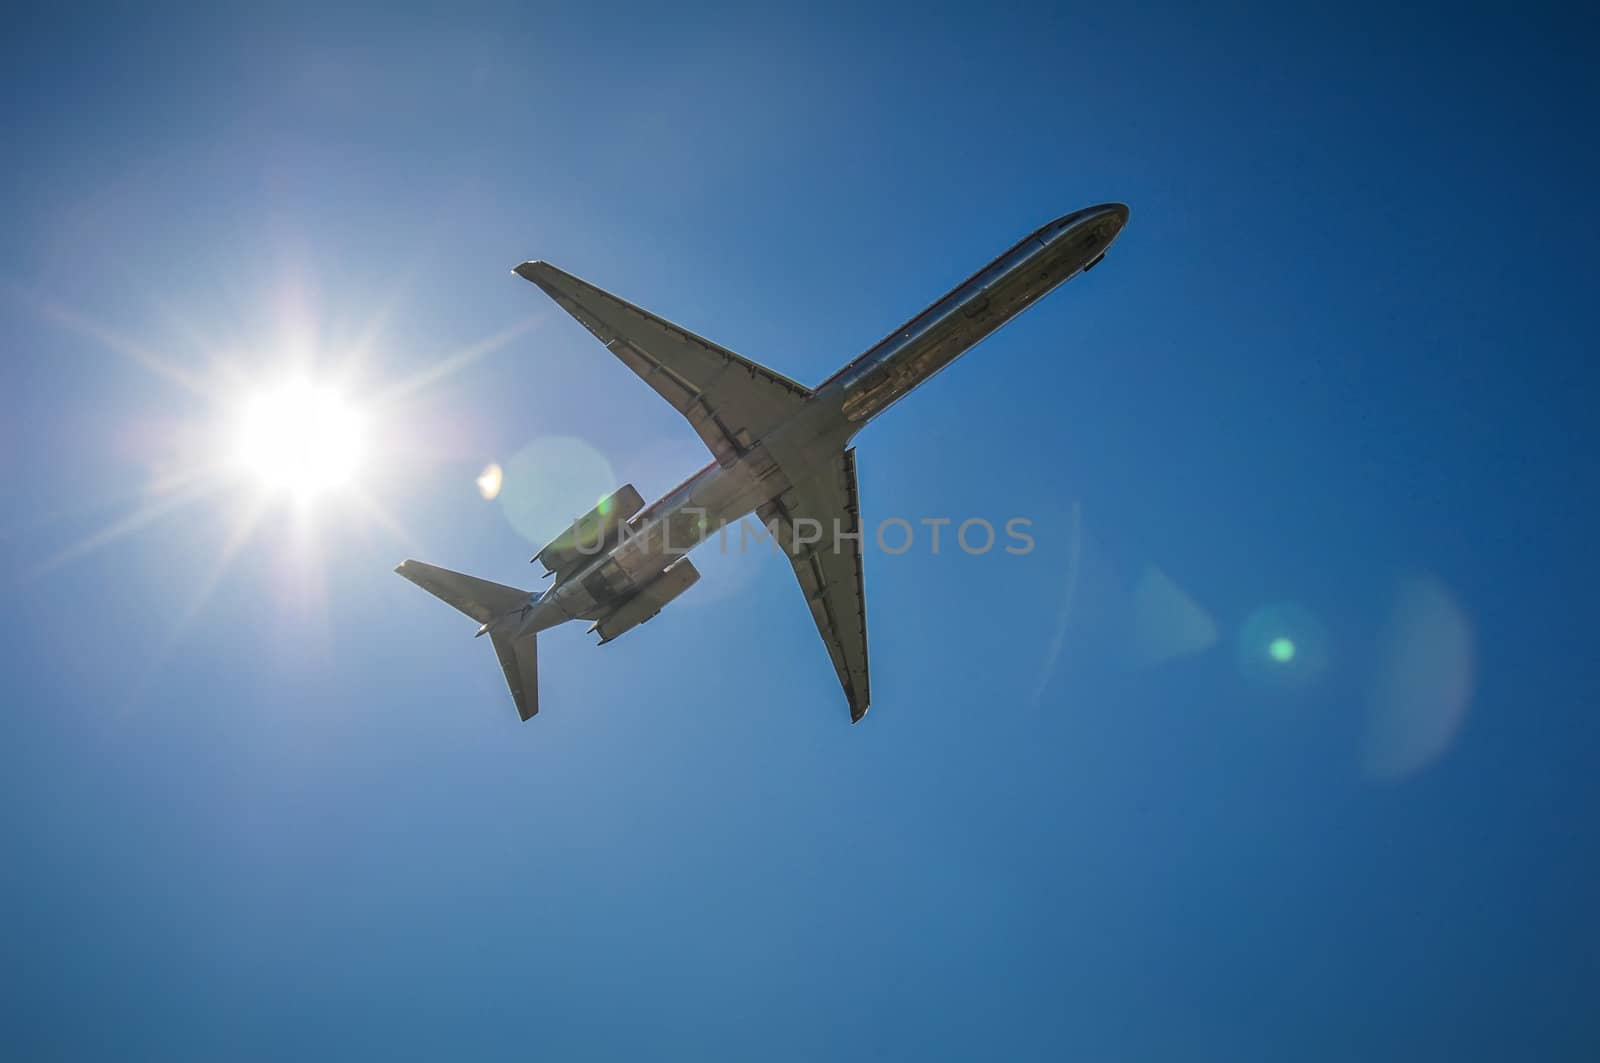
300	438
552	482
490	480
1283	647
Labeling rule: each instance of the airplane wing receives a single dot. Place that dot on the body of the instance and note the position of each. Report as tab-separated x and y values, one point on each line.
730	401
830	578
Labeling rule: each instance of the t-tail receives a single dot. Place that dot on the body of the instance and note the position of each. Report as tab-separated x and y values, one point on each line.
499	611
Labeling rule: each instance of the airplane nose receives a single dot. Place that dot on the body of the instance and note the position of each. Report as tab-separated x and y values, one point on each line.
1119	211
1108	223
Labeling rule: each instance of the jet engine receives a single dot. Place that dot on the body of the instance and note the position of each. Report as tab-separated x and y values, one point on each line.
591	534
677	578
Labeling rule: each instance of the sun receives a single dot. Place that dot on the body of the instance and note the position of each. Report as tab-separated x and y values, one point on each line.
300	438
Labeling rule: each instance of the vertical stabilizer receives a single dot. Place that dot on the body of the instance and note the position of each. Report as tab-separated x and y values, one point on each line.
519	659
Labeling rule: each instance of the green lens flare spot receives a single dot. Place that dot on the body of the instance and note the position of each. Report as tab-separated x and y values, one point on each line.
1281	649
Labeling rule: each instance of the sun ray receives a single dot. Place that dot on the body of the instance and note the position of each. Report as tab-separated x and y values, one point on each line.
238	536
140	518
191	333
455	362
157	488
85	507
399	283
385	520
1058	641
142	356
356	354
224	367
307	586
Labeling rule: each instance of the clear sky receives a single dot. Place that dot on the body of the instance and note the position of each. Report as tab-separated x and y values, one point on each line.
1279	745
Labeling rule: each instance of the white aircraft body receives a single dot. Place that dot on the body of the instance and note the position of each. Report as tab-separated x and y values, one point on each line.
780	450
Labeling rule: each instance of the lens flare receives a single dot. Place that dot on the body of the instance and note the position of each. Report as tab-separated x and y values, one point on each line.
489	481
1424	682
1283	647
1167	623
552	482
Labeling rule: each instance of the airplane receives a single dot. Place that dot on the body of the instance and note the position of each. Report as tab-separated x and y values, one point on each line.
779	449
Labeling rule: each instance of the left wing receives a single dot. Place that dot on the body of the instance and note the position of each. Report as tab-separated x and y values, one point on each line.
731	402
829	568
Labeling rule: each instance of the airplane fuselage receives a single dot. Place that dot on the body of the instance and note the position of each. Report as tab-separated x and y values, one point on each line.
715	498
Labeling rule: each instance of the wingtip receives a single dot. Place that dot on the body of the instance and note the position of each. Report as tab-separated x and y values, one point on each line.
529	269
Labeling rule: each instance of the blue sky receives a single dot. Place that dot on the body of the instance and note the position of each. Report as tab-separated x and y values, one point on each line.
1333	384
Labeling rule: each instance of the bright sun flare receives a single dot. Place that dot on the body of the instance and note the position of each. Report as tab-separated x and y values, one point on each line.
300	438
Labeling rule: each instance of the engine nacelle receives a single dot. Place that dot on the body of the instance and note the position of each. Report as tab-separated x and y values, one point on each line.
591	534
679	577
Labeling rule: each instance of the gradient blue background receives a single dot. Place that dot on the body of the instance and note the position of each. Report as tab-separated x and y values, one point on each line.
1345	343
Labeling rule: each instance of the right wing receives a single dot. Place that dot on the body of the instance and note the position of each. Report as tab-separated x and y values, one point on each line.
731	402
829	569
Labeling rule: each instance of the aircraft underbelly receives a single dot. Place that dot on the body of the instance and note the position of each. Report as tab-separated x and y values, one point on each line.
970	312
780	449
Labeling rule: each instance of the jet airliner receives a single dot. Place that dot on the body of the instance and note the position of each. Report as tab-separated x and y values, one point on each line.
779	450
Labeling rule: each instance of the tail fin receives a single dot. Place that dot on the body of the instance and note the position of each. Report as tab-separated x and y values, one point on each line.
519	659
486	602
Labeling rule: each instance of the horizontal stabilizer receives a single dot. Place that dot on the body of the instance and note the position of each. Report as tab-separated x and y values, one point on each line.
478	598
